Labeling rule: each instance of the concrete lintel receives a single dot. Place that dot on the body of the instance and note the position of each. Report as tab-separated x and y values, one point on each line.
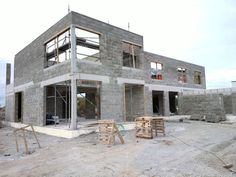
54	80
90	62
23	86
93	77
170	88
121	80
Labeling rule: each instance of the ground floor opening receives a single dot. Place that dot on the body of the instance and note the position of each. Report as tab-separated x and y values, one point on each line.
158	103
58	101
173	101
18	107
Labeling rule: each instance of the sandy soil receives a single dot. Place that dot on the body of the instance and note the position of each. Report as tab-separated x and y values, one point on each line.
176	154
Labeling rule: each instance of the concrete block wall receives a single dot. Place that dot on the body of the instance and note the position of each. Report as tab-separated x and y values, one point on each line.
33	105
234	103
29	68
29	62
10	113
138	101
112	105
228	103
169	72
210	104
149	102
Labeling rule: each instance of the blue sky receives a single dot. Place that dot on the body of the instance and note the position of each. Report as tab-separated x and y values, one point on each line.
198	31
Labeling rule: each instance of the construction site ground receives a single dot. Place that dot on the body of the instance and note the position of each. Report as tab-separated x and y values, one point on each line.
183	152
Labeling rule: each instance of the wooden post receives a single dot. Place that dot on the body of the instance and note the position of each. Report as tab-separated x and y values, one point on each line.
35	136
26	146
17	147
118	134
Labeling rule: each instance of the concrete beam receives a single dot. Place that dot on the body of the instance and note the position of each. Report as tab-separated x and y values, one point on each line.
93	77
121	80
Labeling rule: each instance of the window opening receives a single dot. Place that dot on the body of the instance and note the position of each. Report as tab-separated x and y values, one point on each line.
87	44
197	77
57	50
182	77
131	55
155	70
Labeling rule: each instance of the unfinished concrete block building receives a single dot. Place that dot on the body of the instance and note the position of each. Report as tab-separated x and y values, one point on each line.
85	68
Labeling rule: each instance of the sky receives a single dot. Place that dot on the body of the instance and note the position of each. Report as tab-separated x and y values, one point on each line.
202	32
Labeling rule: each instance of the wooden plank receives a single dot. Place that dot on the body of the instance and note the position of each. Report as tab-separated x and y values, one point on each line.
35	136
17	146
119	135
25	142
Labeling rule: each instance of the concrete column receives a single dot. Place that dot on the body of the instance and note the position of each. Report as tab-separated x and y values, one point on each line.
8	73
166	103
73	79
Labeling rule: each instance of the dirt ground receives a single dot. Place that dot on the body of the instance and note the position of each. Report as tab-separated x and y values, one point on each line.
178	154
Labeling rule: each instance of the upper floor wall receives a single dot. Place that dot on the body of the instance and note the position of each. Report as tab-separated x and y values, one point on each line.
162	70
35	62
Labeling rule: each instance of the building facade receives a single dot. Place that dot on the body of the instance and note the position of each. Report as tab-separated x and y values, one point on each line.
82	68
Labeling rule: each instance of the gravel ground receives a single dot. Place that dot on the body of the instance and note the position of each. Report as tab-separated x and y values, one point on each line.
181	153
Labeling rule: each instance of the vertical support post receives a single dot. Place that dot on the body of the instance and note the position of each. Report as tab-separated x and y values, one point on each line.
145	101
124	102
66	103
17	146
26	146
132	48
35	135
55	100
73	79
166	103
131	100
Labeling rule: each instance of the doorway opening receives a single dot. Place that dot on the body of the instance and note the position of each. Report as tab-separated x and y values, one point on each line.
173	100
19	107
157	102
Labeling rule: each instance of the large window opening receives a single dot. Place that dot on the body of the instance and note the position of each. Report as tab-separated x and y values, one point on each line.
197	77
182	77
87	44
57	49
131	55
156	69
58	101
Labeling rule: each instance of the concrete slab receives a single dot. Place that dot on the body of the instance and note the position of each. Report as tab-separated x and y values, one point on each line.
63	130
